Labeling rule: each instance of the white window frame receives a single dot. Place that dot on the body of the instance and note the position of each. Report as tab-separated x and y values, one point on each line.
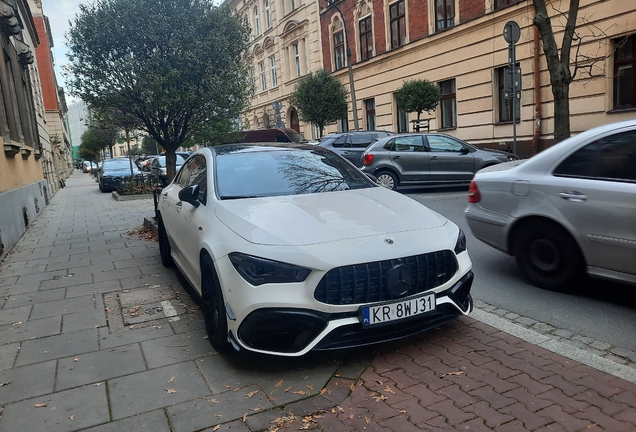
268	17
261	65
257	21
272	67
296	52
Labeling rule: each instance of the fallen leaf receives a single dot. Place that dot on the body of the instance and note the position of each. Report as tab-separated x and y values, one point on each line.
72	417
453	373
75	359
323	391
287	389
252	393
352	387
171	380
299	392
98	384
310	387
16	323
5	383
40	405
170	391
236	389
258	408
389	389
213	400
244	417
341	409
380	382
351	416
366	420
279	383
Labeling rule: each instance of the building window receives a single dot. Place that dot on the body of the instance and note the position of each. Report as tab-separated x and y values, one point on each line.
121	151
268	18
505	104
338	49
293	4
444	14
272	67
296	58
398	24
402	120
624	76
366	38
253	78
448	104
261	65
369	107
499	4
257	21
343	125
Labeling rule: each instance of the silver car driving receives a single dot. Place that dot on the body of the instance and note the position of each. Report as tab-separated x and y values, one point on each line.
566	211
427	159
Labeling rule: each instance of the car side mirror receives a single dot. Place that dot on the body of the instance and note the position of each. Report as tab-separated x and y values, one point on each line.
464	150
190	195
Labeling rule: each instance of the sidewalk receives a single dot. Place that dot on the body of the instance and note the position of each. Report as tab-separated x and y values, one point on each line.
96	335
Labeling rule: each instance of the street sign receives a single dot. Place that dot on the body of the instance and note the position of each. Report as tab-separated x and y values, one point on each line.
512	32
512	82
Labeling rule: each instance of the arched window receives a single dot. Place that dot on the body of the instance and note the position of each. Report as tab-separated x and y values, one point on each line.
338	44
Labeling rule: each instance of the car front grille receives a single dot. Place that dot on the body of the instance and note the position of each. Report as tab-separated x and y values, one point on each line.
366	283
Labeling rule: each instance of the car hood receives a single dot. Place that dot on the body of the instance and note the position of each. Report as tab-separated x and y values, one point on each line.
497	152
300	220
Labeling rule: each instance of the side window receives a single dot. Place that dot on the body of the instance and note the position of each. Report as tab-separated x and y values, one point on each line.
389	145
610	158
183	176
361	140
442	144
198	176
413	143
340	142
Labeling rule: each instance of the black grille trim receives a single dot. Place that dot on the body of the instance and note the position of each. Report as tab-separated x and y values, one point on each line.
366	282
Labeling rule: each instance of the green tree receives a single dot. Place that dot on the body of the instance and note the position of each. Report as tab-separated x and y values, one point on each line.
149	146
320	99
175	65
220	132
418	96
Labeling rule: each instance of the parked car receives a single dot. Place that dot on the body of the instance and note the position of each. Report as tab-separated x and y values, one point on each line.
268	135
567	211
158	168
292	249
351	145
112	170
88	166
145	163
427	159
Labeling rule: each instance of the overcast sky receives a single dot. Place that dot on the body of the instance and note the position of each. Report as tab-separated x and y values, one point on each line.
60	12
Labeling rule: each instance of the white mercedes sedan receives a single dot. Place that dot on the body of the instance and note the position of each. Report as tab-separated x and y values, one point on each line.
292	249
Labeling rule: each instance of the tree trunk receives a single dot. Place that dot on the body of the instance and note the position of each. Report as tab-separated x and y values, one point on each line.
561	93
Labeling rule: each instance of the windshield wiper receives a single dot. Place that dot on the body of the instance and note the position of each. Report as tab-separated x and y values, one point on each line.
230	197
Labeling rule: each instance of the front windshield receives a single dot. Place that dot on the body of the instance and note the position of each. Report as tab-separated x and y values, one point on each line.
116	164
284	172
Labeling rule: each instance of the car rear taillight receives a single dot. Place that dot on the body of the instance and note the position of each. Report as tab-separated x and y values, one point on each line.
473	193
367	158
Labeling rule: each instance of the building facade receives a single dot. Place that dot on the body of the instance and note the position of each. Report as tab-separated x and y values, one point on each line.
459	45
23	190
78	119
51	104
285	46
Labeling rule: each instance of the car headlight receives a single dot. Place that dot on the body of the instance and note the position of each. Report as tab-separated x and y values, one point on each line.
259	271
460	246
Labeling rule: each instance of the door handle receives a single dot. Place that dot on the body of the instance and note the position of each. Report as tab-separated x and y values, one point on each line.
164	195
179	205
396	157
348	152
573	196
433	157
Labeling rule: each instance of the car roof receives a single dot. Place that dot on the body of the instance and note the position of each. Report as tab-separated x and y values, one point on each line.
261	146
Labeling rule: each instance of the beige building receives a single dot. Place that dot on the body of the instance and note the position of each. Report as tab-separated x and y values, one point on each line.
23	190
285	46
459	44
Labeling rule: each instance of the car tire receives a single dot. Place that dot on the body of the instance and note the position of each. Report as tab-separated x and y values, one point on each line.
549	257
164	245
387	179
213	306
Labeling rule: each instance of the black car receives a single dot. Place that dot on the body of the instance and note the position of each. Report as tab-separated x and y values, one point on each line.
112	170
351	145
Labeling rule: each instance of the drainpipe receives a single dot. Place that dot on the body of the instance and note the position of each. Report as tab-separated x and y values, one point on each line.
537	92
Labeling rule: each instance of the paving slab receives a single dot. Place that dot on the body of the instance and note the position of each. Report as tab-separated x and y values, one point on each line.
154	421
177	348
31	329
157	388
27	381
14	315
8	353
53	347
32	298
61	307
64	411
85	319
99	366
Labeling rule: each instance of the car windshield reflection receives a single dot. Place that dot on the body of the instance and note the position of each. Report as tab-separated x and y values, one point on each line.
284	172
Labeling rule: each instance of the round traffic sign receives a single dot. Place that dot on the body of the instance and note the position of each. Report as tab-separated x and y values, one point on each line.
512	32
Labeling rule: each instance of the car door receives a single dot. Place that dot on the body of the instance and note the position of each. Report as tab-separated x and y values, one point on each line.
190	219
411	158
595	190
355	145
450	160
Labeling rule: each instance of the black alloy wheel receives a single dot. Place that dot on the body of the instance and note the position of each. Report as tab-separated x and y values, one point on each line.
213	306
164	245
549	257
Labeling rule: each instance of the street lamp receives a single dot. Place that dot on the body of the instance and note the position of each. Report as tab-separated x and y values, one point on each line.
352	89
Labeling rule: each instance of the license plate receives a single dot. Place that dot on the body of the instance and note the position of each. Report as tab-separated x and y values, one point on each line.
397	310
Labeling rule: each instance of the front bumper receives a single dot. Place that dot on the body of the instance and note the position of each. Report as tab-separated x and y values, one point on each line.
294	332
